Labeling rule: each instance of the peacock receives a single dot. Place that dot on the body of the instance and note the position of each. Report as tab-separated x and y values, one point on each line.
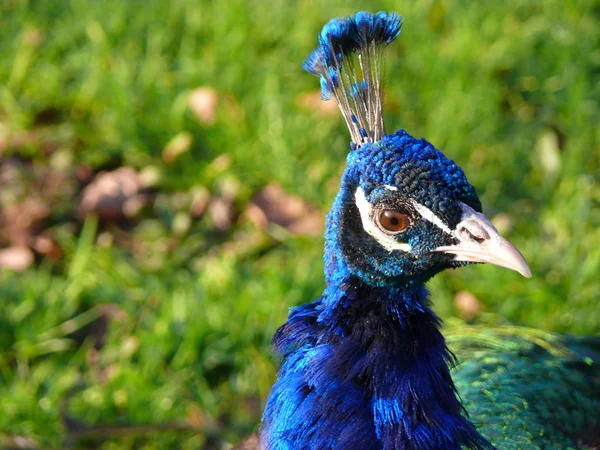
366	365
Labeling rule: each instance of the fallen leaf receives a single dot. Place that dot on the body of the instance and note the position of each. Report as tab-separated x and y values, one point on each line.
177	146
16	258
45	138
548	152
22	220
113	195
220	164
204	102
46	245
33	37
467	304
84	173
273	205
221	206
196	417
16	442
181	223
221	212
199	203
150	176
252	442
130	346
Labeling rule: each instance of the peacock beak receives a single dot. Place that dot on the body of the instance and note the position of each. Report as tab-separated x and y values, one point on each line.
479	241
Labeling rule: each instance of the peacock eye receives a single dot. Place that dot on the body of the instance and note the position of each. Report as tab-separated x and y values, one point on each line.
393	221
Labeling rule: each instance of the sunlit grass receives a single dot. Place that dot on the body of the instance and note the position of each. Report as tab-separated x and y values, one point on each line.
509	90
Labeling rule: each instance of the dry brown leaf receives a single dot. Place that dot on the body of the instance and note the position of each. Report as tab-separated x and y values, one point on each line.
46	245
273	205
252	442
204	102
199	203
177	146
16	258
33	37
221	206
113	195
467	304
15	442
196	417
84	173
23	220
221	212
44	138
22	210
220	164
30	193
548	151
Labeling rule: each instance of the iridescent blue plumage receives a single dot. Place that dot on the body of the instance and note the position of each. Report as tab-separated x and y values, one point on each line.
365	366
351	368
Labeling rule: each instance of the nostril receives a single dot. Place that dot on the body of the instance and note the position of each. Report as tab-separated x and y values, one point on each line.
480	237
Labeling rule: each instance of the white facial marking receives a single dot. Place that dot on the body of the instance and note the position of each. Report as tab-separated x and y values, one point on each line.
390	188
429	215
365	208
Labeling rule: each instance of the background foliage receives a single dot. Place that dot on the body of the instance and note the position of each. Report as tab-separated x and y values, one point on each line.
151	328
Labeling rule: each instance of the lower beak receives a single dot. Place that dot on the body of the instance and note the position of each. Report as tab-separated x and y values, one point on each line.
479	241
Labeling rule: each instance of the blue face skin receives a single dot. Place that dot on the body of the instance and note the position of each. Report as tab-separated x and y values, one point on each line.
393	173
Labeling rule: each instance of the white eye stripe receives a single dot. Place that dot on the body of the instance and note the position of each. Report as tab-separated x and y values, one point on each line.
365	208
429	215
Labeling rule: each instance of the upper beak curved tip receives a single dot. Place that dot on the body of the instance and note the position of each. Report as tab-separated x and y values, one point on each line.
507	255
525	271
522	268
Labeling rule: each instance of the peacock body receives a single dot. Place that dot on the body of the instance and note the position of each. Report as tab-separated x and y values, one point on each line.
528	389
366	366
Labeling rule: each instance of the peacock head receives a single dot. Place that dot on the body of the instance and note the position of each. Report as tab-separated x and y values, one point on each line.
405	211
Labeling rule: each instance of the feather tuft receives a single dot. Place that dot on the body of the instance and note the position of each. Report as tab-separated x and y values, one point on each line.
349	63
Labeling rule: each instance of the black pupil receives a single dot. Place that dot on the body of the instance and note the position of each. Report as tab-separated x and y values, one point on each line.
392	220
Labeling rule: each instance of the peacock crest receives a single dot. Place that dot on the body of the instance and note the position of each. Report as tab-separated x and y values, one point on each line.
350	65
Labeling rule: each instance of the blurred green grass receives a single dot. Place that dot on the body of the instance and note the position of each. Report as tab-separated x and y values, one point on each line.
510	90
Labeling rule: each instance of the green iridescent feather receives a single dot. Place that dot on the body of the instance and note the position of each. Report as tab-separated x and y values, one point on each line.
528	389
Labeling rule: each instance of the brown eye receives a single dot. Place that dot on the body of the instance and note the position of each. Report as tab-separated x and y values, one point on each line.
393	221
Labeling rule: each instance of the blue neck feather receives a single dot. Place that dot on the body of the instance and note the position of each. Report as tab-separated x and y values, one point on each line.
364	367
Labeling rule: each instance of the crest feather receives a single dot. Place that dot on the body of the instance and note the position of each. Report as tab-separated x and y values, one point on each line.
349	63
